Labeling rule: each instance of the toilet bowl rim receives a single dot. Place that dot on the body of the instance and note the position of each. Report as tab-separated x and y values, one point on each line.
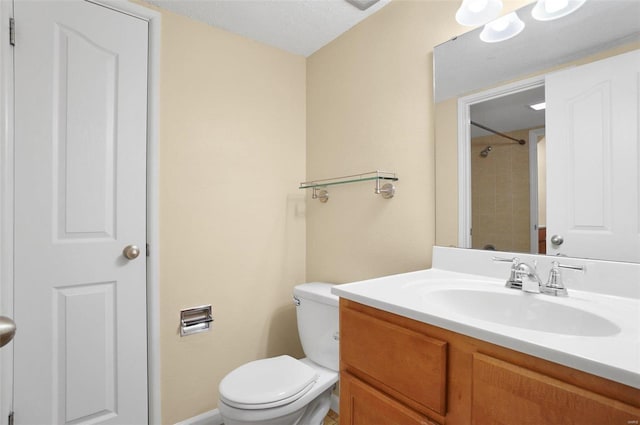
270	404
267	382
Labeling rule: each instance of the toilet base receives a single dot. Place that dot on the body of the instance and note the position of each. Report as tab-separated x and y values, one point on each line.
317	409
290	419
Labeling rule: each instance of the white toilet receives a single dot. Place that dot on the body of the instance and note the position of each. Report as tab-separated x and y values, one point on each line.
282	390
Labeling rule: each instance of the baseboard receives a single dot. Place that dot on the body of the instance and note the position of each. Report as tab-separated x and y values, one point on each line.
212	417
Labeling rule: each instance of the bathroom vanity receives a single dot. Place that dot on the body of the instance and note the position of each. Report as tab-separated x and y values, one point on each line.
407	356
399	370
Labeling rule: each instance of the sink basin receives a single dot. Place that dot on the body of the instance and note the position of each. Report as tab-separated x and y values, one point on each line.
521	310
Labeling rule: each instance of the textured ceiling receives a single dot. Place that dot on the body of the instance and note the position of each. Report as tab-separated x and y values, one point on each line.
297	26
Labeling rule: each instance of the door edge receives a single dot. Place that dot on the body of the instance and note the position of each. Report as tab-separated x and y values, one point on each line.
6	204
153	226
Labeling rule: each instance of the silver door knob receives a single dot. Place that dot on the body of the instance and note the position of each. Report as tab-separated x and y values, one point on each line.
557	240
131	252
7	330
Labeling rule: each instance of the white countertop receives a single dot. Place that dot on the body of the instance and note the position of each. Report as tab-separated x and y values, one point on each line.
615	357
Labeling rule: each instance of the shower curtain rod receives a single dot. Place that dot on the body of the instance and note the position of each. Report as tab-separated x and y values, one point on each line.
520	141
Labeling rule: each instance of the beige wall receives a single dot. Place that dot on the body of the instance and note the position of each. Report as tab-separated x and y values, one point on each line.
369	106
232	226
446	157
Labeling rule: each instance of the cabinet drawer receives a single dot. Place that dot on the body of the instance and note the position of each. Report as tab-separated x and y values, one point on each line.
504	393
407	364
363	405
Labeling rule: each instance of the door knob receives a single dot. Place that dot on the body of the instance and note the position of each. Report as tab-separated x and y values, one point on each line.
7	330
557	240
131	252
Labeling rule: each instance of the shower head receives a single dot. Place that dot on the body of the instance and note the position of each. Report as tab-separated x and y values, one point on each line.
485	152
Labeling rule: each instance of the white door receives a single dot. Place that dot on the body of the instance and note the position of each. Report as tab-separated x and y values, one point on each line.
593	159
80	189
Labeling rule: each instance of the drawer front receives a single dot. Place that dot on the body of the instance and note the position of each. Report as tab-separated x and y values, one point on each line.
504	393
404	363
364	405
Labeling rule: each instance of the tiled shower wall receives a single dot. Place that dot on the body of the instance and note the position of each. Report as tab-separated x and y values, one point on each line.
500	193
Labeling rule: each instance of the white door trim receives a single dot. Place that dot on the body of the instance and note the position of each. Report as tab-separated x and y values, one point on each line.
6	200
533	186
464	148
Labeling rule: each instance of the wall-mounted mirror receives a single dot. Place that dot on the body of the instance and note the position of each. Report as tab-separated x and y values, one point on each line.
493	86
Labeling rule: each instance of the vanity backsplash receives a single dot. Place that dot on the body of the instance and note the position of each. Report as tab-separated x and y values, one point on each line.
600	276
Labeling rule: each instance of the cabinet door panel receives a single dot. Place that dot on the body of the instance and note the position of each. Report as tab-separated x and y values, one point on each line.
505	394
405	363
363	405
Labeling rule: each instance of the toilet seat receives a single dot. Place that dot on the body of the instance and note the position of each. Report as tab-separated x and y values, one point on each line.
267	383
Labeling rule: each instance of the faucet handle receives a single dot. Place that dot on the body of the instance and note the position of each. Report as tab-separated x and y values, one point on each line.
554	285
514	281
514	261
583	269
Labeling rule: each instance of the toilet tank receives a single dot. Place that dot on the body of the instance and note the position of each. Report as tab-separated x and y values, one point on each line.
317	313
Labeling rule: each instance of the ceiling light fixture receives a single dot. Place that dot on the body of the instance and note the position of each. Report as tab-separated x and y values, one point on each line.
548	10
503	28
538	106
478	12
362	4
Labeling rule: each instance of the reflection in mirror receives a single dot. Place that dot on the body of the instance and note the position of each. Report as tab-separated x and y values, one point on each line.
504	179
506	200
466	64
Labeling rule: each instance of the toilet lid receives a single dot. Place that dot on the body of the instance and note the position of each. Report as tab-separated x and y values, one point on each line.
267	383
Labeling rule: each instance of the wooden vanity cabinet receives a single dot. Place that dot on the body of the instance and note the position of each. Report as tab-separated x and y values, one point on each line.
407	365
397	371
504	393
368	406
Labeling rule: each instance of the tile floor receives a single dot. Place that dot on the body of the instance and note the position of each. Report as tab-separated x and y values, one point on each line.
331	418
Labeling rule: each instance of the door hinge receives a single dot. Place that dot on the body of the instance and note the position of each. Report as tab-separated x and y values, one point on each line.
10	420
12	31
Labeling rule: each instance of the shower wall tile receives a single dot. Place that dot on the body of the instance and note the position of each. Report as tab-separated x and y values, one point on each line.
500	193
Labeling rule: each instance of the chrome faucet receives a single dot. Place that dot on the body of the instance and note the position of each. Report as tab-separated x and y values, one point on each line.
529	277
525	277
522	276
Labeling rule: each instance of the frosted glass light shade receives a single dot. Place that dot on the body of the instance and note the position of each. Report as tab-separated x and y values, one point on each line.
548	10
478	12
503	28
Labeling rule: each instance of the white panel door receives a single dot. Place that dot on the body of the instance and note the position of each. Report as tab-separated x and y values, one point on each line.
80	198
593	185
